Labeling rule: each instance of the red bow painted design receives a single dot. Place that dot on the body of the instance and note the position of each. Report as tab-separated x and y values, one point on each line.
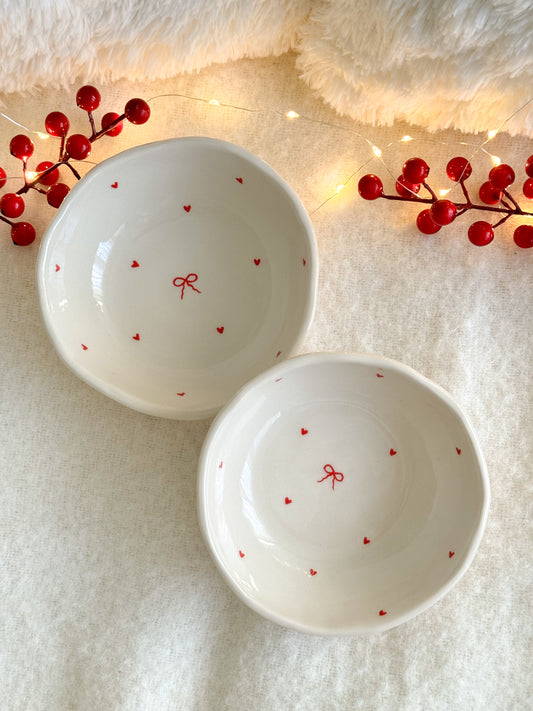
337	476
182	282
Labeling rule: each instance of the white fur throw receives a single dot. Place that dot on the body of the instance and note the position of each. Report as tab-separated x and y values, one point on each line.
465	64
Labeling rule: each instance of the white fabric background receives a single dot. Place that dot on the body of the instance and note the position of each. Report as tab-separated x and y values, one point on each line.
108	597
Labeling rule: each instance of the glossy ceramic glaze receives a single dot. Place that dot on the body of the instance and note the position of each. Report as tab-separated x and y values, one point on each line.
342	494
176	271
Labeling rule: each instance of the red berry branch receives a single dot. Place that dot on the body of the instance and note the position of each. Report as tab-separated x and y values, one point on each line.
493	193
74	147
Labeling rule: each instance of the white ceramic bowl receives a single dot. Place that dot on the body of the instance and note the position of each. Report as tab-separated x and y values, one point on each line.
341	494
176	271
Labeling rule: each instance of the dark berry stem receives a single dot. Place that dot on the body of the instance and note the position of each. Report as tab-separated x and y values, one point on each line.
93	127
464	207
430	191
72	168
413	198
465	191
511	198
103	131
504	219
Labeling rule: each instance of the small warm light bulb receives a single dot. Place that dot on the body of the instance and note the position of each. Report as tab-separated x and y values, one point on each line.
31	175
292	114
214	102
377	151
444	192
340	187
492	133
406	138
496	160
42	136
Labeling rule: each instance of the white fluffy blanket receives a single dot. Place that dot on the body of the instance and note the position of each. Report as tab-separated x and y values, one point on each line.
464	64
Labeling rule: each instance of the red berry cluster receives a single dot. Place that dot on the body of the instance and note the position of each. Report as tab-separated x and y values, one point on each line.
493	193
45	178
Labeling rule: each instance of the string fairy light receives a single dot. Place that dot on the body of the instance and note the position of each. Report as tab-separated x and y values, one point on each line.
39	134
291	114
378	152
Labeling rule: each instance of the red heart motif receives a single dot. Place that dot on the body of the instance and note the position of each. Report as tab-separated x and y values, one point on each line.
458	450
378	375
220	329
257	262
392	452
180	394
187	208
136	337
84	346
134	264
366	540
451	554
313	572
382	612
114	185
239	180
304	431
220	465
57	267
278	354
287	500
277	380
241	554
304	262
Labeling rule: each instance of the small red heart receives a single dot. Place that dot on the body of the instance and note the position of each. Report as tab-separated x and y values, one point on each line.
180	394
220	465
114	185
451	554
304	431
257	262
239	180
57	267
366	540
287	500
220	329
278	354
458	450
84	346
392	452
304	262
187	208
313	572
134	264
277	380
136	337
382	612
241	554
378	375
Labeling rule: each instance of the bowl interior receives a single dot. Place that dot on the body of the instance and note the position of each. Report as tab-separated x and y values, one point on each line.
341	493
175	272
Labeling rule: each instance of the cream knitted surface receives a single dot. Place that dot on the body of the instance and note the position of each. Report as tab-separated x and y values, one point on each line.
109	600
